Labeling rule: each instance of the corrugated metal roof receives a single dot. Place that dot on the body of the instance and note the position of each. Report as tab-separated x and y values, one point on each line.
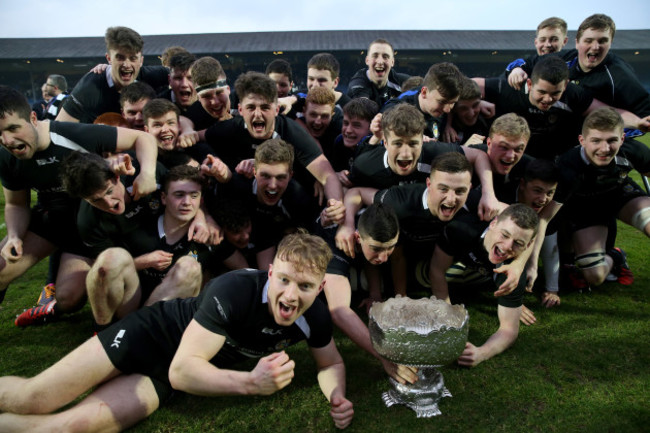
20	48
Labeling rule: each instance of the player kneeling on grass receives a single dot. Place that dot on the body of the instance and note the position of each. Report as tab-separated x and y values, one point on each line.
242	314
596	187
483	248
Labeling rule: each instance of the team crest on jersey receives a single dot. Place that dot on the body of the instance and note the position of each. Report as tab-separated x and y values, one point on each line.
628	188
154	204
552	118
281	345
194	254
435	131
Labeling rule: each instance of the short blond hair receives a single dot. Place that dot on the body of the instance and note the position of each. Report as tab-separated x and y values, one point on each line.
510	125
306	252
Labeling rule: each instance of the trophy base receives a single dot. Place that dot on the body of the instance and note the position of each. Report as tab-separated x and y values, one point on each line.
422	396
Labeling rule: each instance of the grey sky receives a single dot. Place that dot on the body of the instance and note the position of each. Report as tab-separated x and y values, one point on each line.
38	18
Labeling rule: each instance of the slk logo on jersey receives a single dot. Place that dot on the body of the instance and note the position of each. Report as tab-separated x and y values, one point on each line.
270	331
118	338
50	160
133	212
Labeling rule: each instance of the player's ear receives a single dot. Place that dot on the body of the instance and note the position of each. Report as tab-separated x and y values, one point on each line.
357	237
270	270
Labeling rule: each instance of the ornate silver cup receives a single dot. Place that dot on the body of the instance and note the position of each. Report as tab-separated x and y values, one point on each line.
424	333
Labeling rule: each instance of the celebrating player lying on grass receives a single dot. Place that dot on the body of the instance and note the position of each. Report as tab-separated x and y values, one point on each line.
242	314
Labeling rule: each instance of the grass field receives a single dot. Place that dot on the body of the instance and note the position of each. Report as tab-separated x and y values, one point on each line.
582	367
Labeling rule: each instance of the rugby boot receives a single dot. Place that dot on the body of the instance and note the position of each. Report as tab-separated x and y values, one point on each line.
621	268
47	294
37	315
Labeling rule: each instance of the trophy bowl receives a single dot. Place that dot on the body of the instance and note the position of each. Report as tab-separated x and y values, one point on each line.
424	333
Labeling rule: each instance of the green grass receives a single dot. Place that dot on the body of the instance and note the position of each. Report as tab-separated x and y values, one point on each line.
582	367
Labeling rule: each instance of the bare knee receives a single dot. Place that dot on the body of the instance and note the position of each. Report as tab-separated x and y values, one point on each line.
23	396
112	260
110	265
186	274
595	276
594	266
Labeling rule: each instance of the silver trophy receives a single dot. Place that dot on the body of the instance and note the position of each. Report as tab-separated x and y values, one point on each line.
424	333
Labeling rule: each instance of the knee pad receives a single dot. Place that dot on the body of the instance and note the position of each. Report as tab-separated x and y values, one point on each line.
641	219
591	260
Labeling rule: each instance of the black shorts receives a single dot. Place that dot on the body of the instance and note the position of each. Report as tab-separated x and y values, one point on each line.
600	210
58	226
143	343
148	284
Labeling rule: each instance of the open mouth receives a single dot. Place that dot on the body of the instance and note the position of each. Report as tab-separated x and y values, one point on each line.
447	211
404	164
538	206
17	149
126	74
258	126
507	165
167	141
499	254
271	195
593	57
286	310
